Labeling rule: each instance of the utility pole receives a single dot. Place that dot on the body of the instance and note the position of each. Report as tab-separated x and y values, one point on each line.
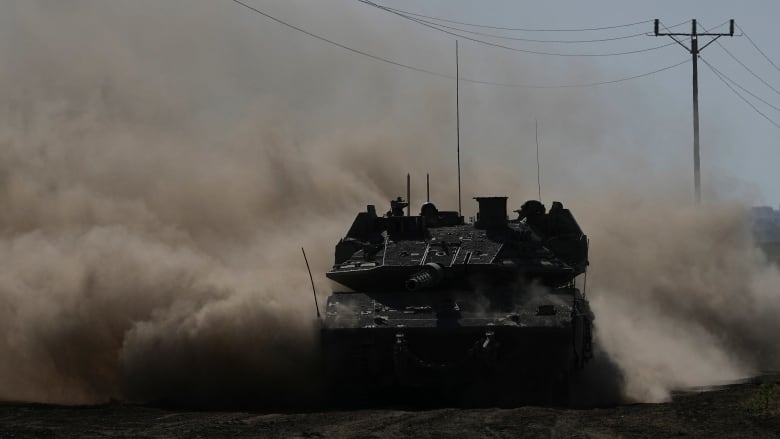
694	50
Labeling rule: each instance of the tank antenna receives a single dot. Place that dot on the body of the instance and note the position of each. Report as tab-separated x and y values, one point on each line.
408	195
585	280
428	188
538	172
457	118
312	282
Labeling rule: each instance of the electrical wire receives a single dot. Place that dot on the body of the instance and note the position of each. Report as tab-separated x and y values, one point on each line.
485	26
528	40
359	52
501	46
738	61
582	85
733	82
740	96
759	50
699	24
532	40
728	52
446	76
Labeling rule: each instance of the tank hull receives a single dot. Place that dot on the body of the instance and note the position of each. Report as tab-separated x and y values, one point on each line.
461	346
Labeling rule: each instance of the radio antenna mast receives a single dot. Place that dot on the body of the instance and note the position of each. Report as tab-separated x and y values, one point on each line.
457	118
312	282
428	188
408	194
538	172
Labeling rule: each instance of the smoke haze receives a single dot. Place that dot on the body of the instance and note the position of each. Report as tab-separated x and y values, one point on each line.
160	169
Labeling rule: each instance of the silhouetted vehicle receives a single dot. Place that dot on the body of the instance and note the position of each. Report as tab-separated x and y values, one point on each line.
765	225
487	306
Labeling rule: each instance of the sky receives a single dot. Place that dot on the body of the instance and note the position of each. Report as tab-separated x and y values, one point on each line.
739	148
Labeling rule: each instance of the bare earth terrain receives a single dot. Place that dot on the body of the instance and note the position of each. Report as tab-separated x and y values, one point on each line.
739	411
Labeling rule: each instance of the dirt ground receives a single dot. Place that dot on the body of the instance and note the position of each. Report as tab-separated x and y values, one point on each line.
747	410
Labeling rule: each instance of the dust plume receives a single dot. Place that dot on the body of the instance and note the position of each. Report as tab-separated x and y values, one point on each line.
150	243
160	169
682	296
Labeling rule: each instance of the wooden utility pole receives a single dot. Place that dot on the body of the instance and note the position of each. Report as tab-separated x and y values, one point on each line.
694	50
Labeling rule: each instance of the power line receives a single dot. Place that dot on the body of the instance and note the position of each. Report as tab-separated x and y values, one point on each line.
501	46
446	76
582	85
740	96
706	30
728	52
485	26
738	61
359	52
530	40
759	50
718	72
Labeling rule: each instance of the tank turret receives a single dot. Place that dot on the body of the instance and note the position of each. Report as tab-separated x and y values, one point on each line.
386	253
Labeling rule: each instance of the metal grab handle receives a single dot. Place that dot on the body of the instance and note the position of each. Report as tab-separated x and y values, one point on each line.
402	351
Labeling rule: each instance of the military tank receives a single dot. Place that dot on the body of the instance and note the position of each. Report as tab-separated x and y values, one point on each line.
436	302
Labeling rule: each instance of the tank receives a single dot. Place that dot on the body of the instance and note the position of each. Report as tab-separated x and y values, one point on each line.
435	302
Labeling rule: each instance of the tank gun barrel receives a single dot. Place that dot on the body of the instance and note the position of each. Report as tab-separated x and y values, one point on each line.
429	276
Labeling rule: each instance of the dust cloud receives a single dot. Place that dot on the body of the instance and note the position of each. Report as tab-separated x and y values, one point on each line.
150	247
682	296
158	178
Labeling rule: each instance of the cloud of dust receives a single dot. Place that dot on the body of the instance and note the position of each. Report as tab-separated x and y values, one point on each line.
682	297
150	247
158	178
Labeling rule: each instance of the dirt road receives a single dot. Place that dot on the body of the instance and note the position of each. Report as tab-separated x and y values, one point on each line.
738	411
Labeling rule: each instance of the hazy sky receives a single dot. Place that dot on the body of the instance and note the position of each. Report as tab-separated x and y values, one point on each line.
739	147
224	62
